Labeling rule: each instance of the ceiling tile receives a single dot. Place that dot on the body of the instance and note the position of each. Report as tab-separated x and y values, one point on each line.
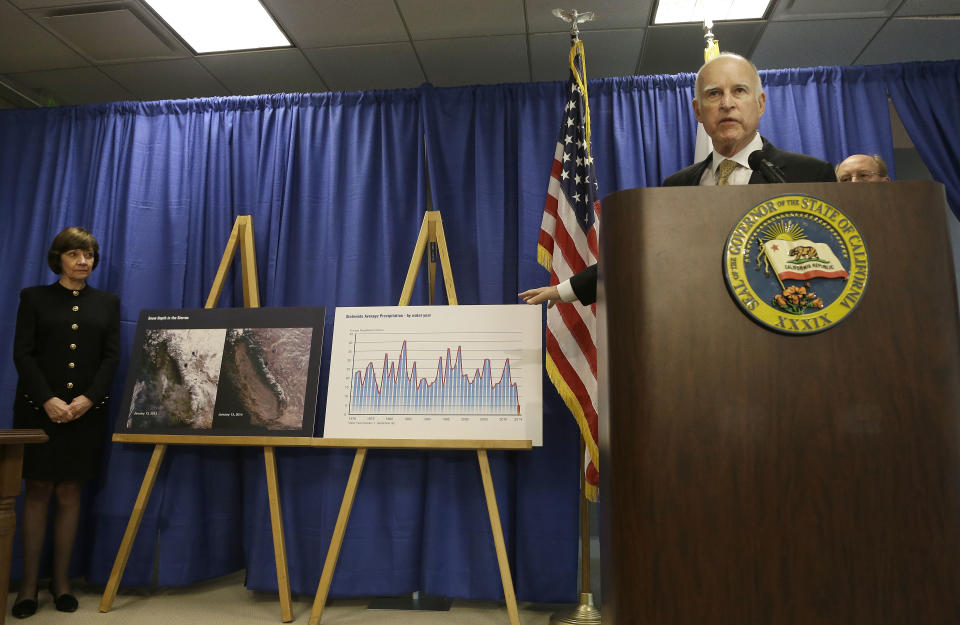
929	7
264	71
19	94
437	19
84	85
25	46
610	14
41	4
838	42
384	66
112	35
549	57
339	22
676	48
833	9
613	52
609	53
474	61
166	80
911	39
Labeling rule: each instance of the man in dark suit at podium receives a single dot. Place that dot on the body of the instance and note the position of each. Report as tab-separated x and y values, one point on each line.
729	103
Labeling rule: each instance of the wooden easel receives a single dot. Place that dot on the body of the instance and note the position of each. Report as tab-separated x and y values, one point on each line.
241	236
431	233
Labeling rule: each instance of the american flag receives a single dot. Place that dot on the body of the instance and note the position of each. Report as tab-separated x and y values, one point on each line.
567	245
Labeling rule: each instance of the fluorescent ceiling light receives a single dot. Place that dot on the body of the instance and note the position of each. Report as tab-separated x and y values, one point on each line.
221	25
676	11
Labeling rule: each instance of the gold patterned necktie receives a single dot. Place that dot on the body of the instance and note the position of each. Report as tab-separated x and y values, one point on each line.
724	170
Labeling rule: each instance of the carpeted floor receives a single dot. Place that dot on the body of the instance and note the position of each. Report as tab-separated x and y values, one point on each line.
225	601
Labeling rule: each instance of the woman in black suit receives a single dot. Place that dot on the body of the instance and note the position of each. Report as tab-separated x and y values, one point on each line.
66	349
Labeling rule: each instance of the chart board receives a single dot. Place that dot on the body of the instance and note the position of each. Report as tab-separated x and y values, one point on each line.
224	371
436	372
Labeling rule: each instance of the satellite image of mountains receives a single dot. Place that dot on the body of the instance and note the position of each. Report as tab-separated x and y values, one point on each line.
178	378
264	378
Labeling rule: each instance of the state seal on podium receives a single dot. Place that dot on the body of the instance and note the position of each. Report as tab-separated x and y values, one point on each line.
796	264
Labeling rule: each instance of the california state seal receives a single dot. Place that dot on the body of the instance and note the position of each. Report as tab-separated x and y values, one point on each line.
796	264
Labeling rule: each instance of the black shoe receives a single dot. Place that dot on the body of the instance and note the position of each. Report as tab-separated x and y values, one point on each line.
25	607
64	603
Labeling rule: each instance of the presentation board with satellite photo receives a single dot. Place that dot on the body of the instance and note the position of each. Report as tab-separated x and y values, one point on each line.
436	372
224	371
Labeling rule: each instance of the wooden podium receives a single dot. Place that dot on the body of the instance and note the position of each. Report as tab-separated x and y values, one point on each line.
757	478
11	471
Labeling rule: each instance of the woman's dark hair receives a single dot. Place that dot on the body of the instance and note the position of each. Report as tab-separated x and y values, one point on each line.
72	238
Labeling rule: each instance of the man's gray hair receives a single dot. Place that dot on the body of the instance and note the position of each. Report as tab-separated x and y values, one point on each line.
881	165
882	170
758	85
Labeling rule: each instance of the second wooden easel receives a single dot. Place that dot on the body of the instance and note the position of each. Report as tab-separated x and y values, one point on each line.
432	237
240	237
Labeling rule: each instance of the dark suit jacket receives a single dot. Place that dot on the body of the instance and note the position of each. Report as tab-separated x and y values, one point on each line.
795	168
67	343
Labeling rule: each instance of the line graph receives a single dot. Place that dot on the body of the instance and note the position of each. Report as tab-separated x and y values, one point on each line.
443	372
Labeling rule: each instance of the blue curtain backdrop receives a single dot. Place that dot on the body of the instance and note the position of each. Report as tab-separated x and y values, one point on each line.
927	98
829	112
337	187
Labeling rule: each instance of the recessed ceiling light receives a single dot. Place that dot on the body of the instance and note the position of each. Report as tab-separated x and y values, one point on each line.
676	11
221	25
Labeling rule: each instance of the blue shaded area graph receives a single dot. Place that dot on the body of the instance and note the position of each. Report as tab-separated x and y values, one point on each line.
448	387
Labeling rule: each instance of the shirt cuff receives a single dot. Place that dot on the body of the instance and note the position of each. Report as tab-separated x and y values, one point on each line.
566	292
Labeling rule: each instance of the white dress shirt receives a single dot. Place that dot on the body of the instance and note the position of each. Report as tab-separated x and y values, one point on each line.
740	175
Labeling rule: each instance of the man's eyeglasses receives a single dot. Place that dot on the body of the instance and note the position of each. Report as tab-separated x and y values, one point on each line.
859	175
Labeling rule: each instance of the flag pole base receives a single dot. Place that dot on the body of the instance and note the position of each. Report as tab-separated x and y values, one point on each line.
584	614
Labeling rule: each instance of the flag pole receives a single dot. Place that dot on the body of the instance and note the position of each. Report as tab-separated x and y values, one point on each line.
711	47
585	613
711	50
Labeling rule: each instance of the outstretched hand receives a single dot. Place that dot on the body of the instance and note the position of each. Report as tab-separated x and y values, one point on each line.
548	294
